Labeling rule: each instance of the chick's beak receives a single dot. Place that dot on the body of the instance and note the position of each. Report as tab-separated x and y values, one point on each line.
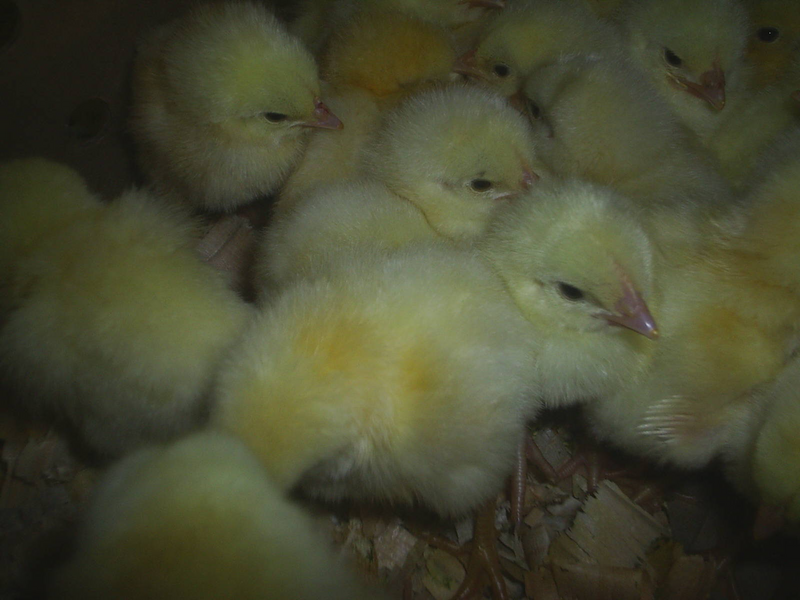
467	65
517	100
711	87
632	313
528	179
325	119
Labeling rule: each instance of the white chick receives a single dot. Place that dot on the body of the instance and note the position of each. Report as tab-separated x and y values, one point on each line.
223	99
531	34
453	156
773	40
199	519
693	53
579	266
402	376
110	322
598	120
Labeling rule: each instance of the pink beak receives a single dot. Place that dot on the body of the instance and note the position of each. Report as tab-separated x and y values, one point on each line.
528	179
465	65
325	119
632	313
711	87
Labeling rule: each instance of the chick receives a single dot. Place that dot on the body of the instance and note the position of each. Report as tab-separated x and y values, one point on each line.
530	34
319	18
198	519
110	322
773	464
443	161
692	52
773	40
371	63
393	376
223	99
580	267
332	220
730	321
755	122
597	119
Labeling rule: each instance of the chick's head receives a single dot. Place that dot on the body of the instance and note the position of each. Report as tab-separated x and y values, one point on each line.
36	196
693	51
237	72
774	38
455	153
579	266
528	35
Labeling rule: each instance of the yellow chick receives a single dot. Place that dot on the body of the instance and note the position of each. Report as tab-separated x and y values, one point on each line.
406	375
773	40
579	266
755	122
773	461
529	34
199	519
692	52
223	99
317	19
394	376
598	120
730	324
371	63
443	162
110	322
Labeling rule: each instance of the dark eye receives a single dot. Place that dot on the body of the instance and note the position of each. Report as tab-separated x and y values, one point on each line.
570	292
480	185
501	70
672	58
274	117
768	34
533	109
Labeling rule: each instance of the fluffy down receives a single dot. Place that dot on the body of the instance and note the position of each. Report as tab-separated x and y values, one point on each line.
693	52
199	519
223	98
396	377
110	321
579	266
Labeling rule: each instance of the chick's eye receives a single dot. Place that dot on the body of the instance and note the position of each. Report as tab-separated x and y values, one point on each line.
570	292
501	70
533	109
480	185
768	34
274	117
672	58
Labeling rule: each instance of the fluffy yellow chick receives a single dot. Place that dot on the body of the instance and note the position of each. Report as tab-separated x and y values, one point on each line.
530	34
773	464
774	38
443	162
755	122
317	19
693	53
110	322
223	99
579	266
199	519
371	63
730	325
405	375
402	376
597	119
